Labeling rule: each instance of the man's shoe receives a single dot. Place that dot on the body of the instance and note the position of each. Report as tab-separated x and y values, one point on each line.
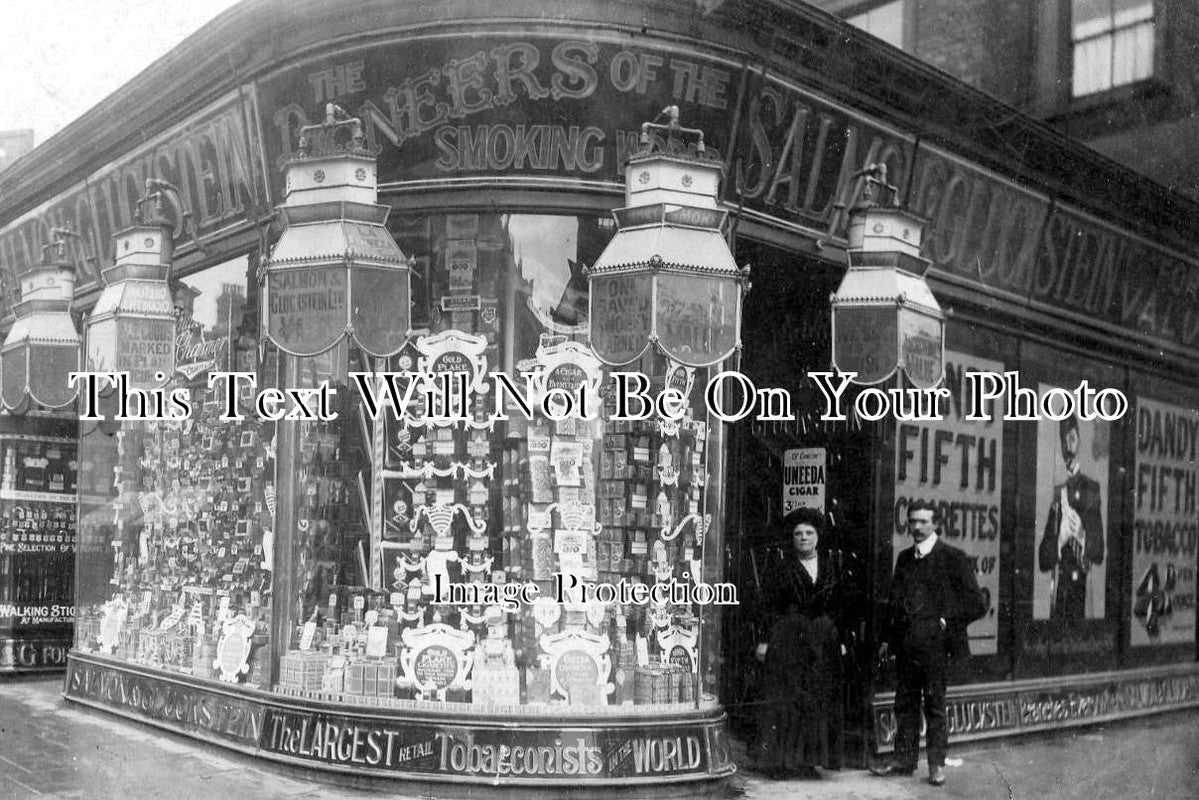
936	776
893	768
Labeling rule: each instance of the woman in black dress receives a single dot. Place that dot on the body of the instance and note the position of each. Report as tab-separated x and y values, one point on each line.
802	601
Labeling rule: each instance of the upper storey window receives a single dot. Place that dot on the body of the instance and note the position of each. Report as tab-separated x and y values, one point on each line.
1113	43
884	21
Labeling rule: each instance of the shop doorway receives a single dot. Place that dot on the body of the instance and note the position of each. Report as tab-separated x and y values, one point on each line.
786	334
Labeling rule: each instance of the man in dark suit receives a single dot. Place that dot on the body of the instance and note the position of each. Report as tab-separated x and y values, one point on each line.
1073	537
934	596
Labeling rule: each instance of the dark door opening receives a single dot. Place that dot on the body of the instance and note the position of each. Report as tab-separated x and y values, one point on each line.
786	333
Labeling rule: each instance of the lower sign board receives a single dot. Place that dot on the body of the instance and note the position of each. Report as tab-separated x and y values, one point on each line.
520	748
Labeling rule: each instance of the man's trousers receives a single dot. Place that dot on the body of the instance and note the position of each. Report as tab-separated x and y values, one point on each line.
920	670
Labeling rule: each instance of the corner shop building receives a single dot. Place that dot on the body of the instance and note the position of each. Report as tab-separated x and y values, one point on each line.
501	136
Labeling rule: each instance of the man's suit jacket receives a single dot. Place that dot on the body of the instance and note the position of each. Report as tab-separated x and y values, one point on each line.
1083	495
955	597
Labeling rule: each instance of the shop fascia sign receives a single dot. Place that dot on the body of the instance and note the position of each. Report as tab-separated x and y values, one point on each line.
218	191
574	108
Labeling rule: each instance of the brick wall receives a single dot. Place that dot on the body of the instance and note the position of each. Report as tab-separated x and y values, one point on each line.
986	43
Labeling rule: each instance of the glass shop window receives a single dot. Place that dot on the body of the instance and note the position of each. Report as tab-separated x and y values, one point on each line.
393	517
1113	43
884	21
176	518
37	540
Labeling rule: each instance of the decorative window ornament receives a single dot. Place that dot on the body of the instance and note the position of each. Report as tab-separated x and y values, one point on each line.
680	646
579	666
233	650
435	658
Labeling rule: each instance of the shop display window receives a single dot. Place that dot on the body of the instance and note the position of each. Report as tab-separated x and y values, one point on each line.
176	517
414	561
413	537
37	537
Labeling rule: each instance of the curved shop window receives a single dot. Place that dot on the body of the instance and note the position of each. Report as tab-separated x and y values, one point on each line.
409	561
175	523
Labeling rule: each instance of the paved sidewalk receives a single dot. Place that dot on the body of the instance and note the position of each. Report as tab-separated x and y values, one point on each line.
51	749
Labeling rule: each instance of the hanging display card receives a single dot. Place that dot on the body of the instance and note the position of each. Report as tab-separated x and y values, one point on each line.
461	259
308	635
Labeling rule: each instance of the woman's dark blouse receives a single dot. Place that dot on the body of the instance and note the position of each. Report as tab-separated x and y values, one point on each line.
789	589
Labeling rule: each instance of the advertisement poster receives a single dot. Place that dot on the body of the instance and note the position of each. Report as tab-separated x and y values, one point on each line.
956	463
1073	458
1165	524
804	478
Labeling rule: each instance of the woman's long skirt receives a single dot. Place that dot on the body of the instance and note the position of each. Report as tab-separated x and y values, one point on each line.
802	718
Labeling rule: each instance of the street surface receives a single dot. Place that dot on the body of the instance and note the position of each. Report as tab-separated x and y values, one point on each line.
51	749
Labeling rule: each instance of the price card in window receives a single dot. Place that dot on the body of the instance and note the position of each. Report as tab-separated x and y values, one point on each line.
461	226
307	635
572	563
642	651
570	542
539	441
461	260
376	641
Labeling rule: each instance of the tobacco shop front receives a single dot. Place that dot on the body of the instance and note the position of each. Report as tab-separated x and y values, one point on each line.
271	586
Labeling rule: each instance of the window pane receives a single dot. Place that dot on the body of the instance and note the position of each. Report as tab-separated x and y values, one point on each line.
1130	11
1133	54
1092	66
1091	17
885	22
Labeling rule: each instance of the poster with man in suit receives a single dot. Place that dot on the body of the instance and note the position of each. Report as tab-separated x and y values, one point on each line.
1072	472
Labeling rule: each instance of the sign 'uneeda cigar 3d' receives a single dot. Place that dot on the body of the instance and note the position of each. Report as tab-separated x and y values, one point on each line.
729	396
